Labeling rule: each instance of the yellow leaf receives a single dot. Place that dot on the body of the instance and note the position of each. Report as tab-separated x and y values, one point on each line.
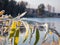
13	26
1	12
26	35
18	23
16	37
26	25
12	32
13	29
50	32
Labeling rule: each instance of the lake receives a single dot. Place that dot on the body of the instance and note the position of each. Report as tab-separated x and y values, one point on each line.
56	22
43	19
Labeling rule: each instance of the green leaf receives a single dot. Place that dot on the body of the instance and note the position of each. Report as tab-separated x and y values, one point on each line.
12	32
37	37
16	37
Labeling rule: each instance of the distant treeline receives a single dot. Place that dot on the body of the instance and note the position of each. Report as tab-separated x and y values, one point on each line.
12	7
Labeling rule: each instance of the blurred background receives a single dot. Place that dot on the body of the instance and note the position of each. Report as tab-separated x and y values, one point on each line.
36	9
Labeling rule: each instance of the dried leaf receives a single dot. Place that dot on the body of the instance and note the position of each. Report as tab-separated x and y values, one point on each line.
46	35
27	30
59	40
26	36
31	34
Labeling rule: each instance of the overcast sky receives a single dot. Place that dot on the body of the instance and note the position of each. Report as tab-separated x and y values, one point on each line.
35	3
